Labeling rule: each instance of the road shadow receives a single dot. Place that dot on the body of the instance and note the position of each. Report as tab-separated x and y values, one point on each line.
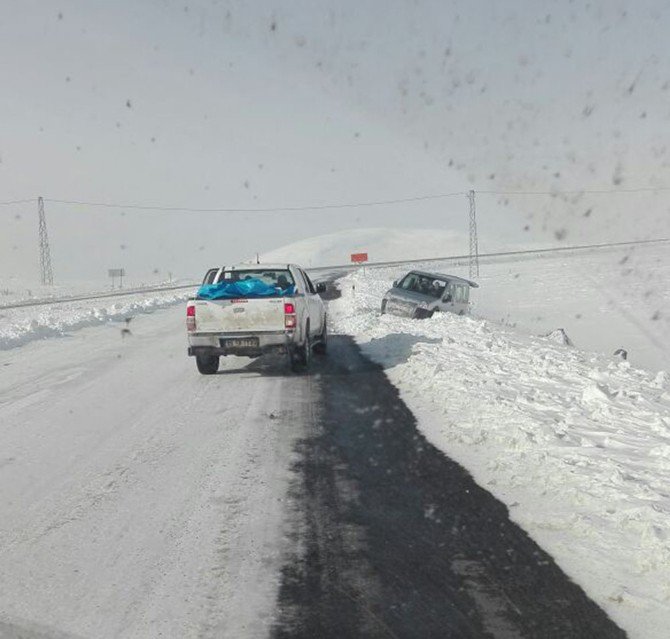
396	348
332	291
265	366
270	366
391	538
22	629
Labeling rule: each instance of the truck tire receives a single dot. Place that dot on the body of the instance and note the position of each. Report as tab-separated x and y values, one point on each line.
302	353
423	313
321	346
207	364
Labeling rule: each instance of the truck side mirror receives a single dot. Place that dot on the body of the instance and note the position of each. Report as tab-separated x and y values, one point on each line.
321	287
395	283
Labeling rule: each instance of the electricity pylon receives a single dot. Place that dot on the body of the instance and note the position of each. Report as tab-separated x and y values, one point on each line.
46	272
474	247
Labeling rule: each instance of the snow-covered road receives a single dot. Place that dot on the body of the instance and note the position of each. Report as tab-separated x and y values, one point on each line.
133	489
140	499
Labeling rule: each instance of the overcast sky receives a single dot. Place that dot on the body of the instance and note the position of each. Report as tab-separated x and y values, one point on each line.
268	104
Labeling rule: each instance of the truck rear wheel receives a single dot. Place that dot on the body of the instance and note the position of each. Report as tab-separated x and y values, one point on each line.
302	354
321	346
207	364
291	359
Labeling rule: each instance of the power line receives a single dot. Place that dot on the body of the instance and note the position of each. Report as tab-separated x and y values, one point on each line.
27	201
331	206
316	207
650	189
349	205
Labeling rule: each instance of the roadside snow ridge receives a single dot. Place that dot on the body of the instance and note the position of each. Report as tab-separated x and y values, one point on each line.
576	444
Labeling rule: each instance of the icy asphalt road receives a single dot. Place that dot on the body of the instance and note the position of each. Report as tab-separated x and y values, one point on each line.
140	499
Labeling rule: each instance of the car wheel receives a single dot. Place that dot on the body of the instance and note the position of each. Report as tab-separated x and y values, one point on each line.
321	346
207	364
306	350
302	355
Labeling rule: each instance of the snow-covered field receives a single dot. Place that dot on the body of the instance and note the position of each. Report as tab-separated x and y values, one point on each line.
13	290
21	325
381	245
576	443
19	289
605	299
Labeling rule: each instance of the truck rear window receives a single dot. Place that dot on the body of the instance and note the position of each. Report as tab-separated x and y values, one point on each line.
281	279
248	284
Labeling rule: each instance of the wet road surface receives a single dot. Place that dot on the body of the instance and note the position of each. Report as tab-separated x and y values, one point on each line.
393	539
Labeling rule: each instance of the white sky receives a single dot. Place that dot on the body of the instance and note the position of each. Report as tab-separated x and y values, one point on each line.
260	104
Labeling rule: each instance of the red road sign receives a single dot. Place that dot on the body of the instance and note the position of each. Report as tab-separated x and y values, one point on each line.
359	257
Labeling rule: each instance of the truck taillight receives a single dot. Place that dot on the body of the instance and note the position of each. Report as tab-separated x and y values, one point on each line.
190	318
290	320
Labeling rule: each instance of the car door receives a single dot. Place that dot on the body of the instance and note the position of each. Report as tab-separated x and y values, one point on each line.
463	301
448	301
314	304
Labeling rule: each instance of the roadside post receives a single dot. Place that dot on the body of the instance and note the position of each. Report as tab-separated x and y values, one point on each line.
359	258
116	272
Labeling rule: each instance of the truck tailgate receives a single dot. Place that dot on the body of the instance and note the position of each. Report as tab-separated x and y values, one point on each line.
239	315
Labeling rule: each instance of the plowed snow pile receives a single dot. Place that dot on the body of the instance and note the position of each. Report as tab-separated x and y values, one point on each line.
21	325
576	444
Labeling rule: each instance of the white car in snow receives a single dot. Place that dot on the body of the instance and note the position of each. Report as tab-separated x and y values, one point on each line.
420	294
252	309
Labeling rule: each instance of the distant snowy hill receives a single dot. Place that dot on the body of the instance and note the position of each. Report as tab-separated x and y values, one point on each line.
381	244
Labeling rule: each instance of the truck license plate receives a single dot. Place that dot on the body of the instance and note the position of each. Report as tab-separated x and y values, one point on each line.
246	342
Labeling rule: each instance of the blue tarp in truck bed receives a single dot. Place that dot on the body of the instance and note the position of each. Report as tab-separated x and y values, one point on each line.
241	288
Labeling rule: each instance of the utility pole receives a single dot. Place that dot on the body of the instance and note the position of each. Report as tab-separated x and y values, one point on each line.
46	272
474	247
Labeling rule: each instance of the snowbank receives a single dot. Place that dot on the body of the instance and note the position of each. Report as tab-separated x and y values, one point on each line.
22	325
576	444
604	299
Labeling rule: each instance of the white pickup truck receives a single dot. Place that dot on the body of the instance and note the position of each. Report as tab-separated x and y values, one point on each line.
252	309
